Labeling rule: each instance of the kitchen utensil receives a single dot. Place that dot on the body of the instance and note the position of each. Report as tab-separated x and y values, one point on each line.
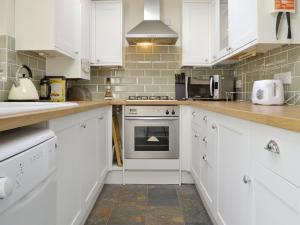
23	88
268	92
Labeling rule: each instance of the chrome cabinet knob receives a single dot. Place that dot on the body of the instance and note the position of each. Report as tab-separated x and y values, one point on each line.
246	179
195	136
205	140
273	147
101	118
193	113
83	125
204	157
214	126
205	118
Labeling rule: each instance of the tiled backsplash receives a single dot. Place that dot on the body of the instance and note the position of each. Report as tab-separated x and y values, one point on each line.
10	60
148	70
283	59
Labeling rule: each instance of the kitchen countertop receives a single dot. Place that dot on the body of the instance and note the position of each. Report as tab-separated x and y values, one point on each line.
285	117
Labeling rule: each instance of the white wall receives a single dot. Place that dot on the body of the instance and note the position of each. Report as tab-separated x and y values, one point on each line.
7	17
170	14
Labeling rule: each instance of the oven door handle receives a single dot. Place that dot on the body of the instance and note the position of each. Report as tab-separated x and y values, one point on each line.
151	118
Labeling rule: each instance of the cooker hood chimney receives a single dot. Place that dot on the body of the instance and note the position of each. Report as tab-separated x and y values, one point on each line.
152	30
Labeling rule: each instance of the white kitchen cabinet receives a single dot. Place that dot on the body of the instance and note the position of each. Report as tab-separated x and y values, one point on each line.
275	200
196	153
103	135
90	155
68	176
196	29
83	148
208	176
251	27
242	23
107	33
47	26
233	194
79	67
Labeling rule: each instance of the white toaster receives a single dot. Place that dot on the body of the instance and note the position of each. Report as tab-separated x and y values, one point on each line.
268	92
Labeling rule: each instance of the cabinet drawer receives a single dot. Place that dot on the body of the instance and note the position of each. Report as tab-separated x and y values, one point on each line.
275	201
199	117
285	162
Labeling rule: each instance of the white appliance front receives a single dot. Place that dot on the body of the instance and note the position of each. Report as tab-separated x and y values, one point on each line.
28	186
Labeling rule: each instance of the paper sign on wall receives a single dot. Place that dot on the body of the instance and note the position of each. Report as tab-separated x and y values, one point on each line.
285	6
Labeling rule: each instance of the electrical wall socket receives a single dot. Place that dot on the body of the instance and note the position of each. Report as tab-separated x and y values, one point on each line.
286	77
238	83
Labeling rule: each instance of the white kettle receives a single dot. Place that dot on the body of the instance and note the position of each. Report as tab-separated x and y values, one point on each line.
268	92
23	88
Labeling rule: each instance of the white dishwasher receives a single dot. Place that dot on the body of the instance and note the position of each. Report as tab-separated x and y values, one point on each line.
28	161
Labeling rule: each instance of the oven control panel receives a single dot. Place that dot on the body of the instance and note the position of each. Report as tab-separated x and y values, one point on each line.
152	111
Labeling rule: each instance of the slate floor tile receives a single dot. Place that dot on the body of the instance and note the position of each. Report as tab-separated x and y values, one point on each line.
148	205
123	214
164	215
160	196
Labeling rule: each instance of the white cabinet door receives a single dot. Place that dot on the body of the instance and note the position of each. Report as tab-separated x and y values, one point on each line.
233	195
242	20
89	160
69	179
102	138
107	33
196	39
66	29
208	165
275	200
195	153
86	29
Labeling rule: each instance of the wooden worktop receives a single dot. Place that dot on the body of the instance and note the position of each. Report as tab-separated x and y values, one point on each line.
286	117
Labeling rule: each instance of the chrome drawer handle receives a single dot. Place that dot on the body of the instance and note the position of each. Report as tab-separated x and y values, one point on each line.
101	118
205	158
246	179
272	146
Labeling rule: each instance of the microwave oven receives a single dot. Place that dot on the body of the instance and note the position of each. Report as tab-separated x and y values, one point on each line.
213	88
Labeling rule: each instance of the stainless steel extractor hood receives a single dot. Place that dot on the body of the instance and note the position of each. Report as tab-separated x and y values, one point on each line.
152	29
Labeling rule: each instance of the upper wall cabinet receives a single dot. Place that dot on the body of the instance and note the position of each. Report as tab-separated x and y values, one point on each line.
79	67
47	26
196	32
107	33
250	25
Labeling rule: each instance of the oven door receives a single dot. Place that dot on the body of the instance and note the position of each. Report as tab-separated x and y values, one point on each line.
151	138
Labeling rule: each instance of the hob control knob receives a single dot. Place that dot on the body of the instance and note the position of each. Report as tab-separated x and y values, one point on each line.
173	112
6	187
167	112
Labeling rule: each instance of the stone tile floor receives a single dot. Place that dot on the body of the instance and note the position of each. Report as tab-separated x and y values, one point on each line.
148	205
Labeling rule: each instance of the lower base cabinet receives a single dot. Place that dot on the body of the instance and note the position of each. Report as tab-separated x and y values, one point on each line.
83	164
239	180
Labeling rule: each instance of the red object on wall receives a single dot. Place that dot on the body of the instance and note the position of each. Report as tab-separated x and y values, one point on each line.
285	5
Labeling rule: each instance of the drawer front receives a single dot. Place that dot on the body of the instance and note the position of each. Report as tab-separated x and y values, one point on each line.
199	117
277	150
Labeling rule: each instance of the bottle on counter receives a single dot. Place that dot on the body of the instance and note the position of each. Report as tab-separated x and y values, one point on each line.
45	89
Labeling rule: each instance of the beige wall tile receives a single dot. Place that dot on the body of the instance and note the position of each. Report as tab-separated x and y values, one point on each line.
160	49
152	57
152	73
145	80
294	55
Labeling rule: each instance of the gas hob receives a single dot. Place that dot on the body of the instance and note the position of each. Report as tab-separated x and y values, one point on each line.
153	98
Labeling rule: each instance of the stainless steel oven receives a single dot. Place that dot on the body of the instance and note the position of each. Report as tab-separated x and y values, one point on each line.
151	132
